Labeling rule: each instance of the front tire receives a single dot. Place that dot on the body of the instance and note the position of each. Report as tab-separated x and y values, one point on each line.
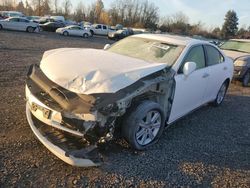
30	29
66	33
1	27
144	125
85	35
246	79
221	94
91	32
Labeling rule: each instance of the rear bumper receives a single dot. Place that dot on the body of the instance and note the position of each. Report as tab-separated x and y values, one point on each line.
56	150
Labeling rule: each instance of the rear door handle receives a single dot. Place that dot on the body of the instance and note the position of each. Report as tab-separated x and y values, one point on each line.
205	75
225	68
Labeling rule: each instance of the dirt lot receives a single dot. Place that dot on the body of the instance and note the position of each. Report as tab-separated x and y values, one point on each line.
208	148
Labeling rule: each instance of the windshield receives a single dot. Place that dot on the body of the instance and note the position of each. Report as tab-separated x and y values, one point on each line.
147	49
236	46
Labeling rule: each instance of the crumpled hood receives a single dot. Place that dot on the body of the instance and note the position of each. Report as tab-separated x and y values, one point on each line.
88	71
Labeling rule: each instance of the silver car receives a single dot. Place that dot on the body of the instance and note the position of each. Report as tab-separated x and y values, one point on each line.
19	24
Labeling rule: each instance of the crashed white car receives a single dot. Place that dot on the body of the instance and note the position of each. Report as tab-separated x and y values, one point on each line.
74	30
80	98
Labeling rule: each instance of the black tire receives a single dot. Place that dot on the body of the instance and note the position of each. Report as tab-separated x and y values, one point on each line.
85	35
1	27
246	79
132	125
30	29
92	32
66	33
221	94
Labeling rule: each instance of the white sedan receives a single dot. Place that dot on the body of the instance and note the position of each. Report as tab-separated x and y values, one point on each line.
74	30
79	98
19	24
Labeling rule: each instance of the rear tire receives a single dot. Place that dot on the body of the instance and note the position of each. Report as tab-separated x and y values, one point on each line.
66	33
221	94
1	27
144	125
30	29
85	35
246	79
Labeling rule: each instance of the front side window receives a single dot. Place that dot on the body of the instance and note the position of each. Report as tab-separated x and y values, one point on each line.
98	27
196	55
149	50
14	20
213	56
104	27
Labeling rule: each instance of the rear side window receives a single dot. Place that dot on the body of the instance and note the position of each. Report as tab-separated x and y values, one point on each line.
23	20
214	57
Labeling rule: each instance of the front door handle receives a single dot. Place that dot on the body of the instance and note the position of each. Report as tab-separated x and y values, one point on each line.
205	75
225	68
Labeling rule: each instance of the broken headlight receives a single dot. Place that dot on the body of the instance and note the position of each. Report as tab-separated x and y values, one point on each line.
110	108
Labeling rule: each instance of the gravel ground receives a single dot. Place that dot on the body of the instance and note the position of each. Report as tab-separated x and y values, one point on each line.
208	148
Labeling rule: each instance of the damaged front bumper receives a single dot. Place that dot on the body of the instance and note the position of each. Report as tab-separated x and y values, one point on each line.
73	137
56	149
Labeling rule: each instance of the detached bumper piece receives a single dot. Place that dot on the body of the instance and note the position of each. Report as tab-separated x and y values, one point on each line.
65	146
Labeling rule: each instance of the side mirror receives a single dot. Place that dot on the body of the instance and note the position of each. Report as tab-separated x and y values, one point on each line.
188	68
107	46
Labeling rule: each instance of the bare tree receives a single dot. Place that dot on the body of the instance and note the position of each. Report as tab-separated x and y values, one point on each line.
56	6
66	7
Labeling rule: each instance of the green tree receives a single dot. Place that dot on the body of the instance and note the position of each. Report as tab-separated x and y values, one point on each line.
230	26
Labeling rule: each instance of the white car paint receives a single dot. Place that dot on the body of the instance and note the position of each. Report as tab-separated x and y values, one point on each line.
100	29
94	71
19	24
74	30
89	71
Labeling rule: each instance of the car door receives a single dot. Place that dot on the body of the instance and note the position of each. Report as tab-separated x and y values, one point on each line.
189	90
12	23
217	71
78	31
98	29
104	30
23	24
71	31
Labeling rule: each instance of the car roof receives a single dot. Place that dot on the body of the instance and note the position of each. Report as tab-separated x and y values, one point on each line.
174	39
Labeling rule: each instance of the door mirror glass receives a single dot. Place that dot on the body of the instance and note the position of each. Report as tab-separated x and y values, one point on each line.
107	46
188	68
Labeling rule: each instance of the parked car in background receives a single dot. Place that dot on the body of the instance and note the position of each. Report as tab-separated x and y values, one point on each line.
120	34
8	14
51	26
239	51
70	22
74	30
99	29
34	18
57	18
19	24
76	97
44	20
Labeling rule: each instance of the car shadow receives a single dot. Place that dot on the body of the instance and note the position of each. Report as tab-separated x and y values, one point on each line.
210	139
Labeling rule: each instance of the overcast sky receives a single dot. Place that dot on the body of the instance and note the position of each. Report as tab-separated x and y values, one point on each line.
209	12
